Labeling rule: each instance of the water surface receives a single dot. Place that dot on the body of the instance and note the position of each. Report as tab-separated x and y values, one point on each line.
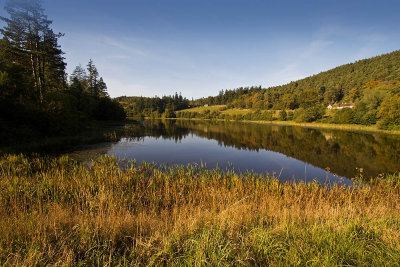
285	151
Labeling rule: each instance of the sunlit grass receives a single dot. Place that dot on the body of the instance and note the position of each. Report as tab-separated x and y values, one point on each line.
203	108
96	213
236	111
347	127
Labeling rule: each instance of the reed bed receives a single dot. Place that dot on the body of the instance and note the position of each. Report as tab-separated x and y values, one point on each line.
103	212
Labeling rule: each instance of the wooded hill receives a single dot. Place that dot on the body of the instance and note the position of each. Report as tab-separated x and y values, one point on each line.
373	84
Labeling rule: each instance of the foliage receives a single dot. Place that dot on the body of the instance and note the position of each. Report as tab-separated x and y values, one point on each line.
153	107
32	45
346	116
389	112
282	115
35	98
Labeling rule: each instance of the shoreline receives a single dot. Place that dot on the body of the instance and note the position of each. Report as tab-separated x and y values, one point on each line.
342	127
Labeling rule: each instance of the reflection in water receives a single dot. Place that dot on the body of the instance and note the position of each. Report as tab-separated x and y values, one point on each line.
287	151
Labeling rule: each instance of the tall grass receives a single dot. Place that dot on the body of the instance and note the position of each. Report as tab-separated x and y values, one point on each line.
61	212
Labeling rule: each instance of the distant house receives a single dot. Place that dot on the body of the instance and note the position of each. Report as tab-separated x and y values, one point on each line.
341	106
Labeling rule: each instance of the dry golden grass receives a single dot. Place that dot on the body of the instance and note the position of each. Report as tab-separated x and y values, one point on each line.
60	212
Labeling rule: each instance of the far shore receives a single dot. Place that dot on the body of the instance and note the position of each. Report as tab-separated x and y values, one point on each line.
343	127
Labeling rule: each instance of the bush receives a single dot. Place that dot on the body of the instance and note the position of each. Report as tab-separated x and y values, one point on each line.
168	114
267	115
282	115
343	116
389	112
309	114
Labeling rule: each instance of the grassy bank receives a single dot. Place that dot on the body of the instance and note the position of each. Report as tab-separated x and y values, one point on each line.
61	212
316	125
222	113
345	127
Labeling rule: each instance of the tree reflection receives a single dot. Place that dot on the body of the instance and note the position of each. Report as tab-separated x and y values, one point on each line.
340	151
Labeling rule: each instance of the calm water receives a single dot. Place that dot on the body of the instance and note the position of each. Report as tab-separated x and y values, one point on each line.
286	152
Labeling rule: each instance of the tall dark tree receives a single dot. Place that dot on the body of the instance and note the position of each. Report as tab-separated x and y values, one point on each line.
33	45
95	84
78	80
102	88
93	75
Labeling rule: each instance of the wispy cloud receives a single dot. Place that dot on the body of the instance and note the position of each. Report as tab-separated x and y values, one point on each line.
121	46
299	64
369	40
313	48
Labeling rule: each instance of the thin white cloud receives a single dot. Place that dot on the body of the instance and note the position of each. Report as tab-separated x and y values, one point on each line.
314	48
117	57
371	41
299	66
115	43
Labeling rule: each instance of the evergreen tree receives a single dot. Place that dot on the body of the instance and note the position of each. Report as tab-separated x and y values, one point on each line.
80	74
102	88
93	75
33	45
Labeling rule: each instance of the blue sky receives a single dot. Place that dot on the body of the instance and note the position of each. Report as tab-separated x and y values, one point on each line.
198	47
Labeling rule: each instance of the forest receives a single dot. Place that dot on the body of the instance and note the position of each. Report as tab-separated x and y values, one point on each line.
37	98
373	85
138	108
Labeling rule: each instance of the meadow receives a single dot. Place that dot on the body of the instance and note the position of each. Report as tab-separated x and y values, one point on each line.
56	211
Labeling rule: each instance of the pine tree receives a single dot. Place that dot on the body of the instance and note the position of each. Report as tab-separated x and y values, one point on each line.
78	79
102	88
96	85
34	45
80	74
93	75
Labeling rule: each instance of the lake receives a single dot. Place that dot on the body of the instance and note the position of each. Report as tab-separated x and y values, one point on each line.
288	152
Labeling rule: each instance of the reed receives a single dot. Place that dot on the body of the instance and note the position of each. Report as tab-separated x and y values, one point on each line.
103	212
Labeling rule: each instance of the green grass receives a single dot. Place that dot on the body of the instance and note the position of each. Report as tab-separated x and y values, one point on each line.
202	109
346	127
221	108
236	111
61	212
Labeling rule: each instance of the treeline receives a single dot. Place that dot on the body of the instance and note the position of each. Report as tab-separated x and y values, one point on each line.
227	96
36	97
154	107
299	115
373	84
257	115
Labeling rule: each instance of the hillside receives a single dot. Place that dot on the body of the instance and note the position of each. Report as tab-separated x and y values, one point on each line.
372	84
343	83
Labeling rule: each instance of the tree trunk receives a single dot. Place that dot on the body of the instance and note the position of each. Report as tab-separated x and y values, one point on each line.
40	74
34	74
